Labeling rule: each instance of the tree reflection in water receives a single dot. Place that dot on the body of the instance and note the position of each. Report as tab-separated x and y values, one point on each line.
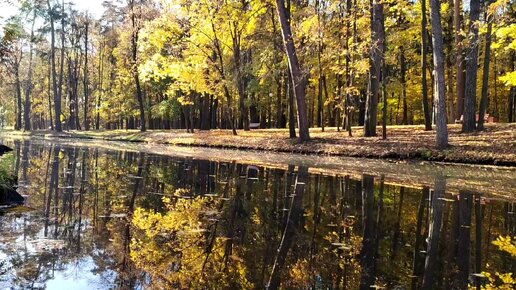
126	220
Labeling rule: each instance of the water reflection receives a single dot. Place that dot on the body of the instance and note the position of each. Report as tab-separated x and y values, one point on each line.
128	220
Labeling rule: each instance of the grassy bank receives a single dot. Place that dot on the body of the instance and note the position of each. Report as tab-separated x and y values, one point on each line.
494	146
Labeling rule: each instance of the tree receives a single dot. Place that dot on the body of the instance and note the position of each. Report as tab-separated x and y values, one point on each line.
28	85
470	101
424	86
135	29
440	84
298	79
459	58
485	77
375	68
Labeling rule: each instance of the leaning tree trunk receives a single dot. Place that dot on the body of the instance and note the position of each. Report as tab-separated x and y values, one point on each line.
298	79
470	101
485	77
440	85
375	64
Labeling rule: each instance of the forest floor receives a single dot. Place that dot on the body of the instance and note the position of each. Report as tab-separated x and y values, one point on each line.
494	146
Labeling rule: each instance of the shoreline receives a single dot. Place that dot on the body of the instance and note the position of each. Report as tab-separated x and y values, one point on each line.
496	146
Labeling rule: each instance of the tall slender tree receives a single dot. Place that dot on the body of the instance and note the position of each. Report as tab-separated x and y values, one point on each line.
459	58
424	49
375	67
470	101
298	79
440	84
135	14
485	77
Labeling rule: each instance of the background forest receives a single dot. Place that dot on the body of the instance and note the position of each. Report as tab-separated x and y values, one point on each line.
222	64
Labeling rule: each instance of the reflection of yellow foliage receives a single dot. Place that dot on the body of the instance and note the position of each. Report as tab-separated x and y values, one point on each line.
502	280
181	249
300	275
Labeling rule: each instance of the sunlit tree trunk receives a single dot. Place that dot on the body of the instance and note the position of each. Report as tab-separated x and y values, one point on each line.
298	79
459	58
134	49
375	67
485	77
28	86
439	85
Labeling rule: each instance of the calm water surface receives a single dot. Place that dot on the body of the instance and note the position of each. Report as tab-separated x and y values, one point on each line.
100	219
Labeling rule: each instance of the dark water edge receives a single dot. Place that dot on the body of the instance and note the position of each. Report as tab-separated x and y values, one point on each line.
100	218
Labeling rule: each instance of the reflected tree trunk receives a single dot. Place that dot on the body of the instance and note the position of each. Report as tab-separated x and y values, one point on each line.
369	224
434	232
293	225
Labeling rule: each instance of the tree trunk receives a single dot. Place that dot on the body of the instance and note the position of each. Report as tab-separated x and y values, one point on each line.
134	48
28	87
459	58
298	79
470	100
57	97
485	77
375	67
439	86
18	124
86	81
205	112
424	86
291	106
403	68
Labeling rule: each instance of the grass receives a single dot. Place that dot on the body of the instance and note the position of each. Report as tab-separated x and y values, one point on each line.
494	146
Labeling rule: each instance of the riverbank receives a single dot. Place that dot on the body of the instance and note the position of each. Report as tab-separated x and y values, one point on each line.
494	146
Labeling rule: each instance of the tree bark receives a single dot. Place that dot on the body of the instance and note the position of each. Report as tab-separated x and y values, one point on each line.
375	64
424	86
470	101
86	80
28	87
485	77
298	79
439	86
459	58
134	48
57	97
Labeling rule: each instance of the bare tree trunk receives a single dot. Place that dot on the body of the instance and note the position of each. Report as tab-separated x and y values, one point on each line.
291	106
17	84
134	47
403	69
298	79
61	72
459	58
86	81
424	86
485	77
57	97
440	85
28	86
375	64
470	101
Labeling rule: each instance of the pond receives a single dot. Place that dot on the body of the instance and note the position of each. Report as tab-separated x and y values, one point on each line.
104	216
